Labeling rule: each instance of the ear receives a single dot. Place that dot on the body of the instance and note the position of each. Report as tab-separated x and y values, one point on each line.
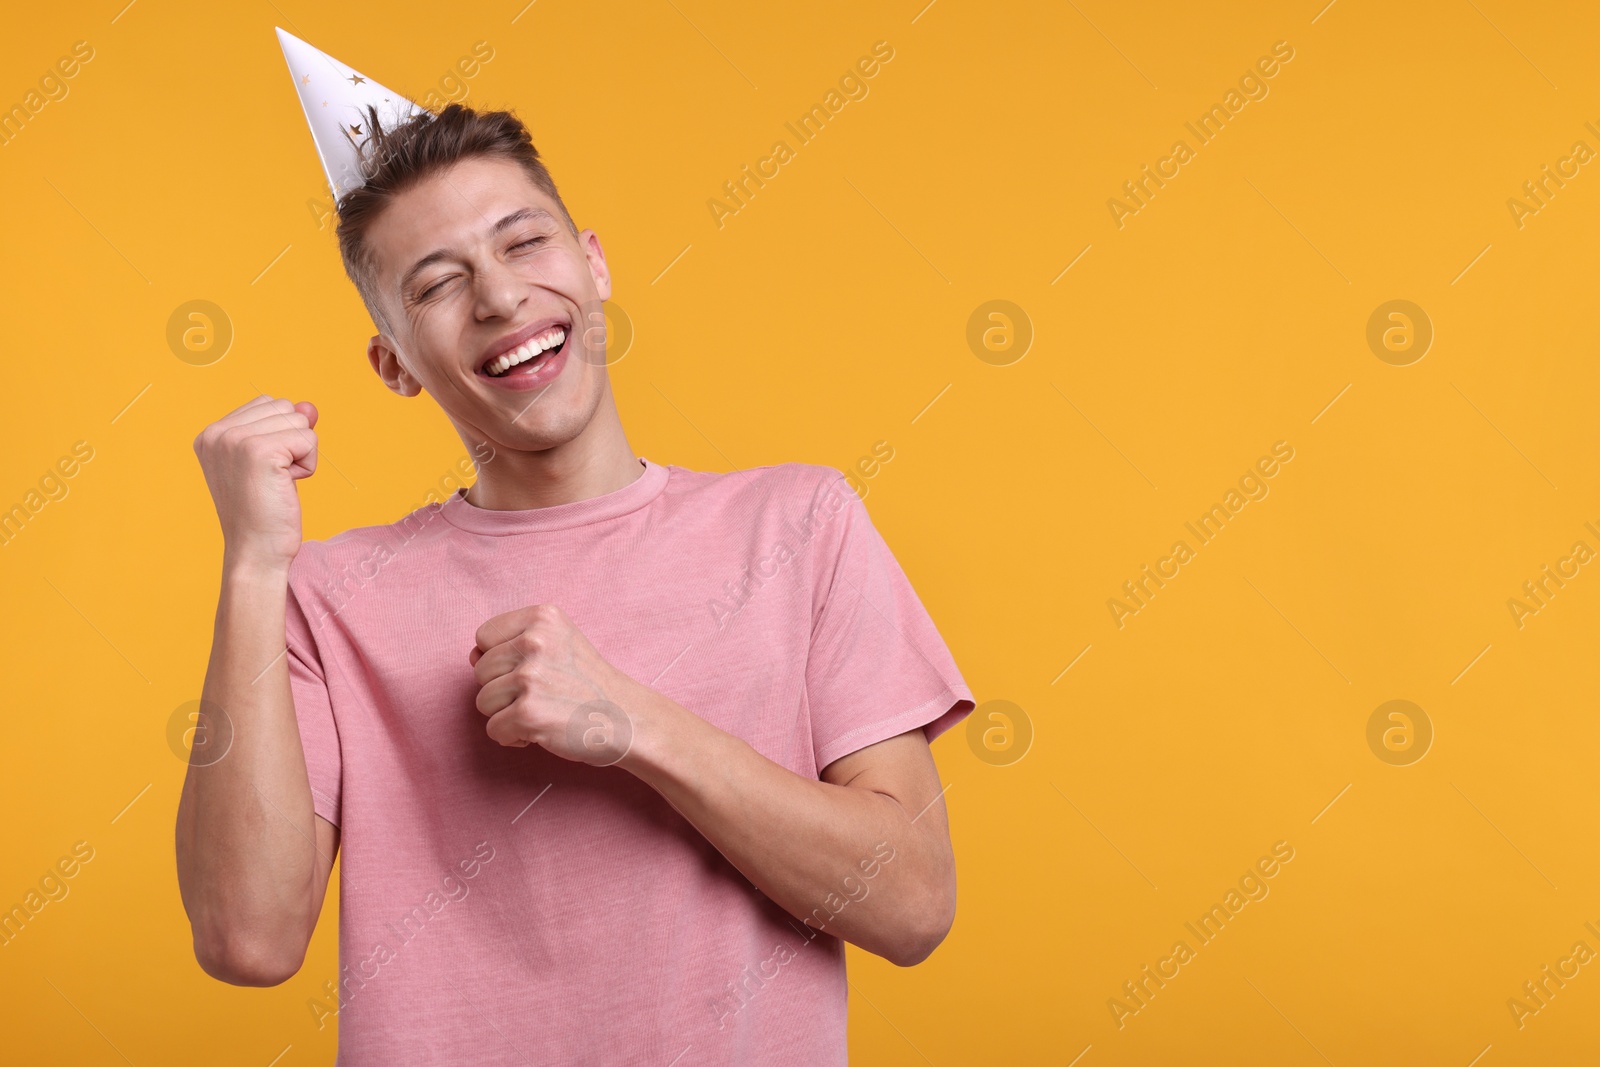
385	360
596	256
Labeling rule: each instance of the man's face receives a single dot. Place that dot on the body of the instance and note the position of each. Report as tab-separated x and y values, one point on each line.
477	263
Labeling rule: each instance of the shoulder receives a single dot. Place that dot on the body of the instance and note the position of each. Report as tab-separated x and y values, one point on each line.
777	513
786	487
364	547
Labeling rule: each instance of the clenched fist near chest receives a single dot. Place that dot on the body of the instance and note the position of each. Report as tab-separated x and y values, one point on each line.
542	682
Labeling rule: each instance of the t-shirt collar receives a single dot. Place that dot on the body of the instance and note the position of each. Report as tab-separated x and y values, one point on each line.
631	497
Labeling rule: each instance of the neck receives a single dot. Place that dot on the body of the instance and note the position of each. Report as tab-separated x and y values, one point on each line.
597	461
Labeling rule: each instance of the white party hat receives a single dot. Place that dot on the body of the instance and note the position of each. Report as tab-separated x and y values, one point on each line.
335	98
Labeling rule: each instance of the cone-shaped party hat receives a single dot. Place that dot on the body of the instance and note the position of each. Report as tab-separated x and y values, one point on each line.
335	100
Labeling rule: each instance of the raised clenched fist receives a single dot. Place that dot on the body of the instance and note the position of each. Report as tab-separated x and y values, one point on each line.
252	457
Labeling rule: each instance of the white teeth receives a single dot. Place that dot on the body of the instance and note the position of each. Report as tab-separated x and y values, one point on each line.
528	350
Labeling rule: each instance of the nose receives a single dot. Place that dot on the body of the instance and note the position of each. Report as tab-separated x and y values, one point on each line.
499	291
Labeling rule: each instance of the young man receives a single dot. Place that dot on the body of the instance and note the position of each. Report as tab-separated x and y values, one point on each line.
618	753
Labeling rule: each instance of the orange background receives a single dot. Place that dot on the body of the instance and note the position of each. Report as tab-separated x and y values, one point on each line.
830	313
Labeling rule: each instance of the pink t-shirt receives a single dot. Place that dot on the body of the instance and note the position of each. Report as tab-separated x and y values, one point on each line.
505	906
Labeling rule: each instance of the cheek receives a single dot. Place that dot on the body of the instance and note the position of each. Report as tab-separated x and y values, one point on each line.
435	346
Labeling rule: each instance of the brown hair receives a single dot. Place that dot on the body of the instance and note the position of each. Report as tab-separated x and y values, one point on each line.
395	160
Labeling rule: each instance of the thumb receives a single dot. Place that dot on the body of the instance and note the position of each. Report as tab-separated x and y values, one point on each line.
304	464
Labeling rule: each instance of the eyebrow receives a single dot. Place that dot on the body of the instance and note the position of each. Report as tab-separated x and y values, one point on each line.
516	218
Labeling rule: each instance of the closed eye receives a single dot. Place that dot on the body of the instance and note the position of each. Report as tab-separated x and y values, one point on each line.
521	244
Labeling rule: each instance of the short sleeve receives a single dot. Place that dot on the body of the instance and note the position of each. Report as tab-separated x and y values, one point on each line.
877	665
313	710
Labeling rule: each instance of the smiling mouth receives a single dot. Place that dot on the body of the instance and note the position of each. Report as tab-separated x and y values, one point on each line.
529	356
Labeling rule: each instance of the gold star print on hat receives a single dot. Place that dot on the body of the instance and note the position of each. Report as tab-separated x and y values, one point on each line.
335	98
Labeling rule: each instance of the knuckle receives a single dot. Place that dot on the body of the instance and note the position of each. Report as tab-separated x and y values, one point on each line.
260	451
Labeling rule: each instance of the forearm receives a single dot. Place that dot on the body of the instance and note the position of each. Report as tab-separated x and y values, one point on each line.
245	828
865	866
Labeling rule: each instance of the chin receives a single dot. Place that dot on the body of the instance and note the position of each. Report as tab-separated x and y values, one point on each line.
537	431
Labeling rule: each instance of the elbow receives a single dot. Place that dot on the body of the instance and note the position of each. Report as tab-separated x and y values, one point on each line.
925	929
246	961
914	946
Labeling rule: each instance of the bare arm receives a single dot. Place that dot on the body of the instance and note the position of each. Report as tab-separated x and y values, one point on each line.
864	853
253	858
